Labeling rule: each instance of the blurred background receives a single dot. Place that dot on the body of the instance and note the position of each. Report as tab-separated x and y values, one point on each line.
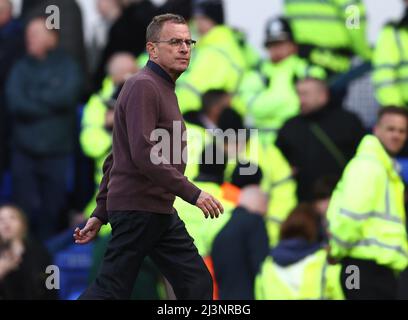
58	89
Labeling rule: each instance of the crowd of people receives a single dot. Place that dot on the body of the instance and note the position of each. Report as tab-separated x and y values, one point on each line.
327	191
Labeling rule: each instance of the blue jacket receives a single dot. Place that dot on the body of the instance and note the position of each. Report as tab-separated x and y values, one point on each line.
42	98
290	251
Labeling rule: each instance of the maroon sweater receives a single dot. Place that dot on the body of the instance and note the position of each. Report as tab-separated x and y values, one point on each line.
132	181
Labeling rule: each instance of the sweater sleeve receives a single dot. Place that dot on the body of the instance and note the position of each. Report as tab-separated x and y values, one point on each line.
100	211
142	113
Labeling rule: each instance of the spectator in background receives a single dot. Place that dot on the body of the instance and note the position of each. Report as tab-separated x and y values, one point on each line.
269	92
219	59
322	192
23	262
109	12
209	179
390	74
42	94
71	35
127	34
367	215
213	102
277	178
241	245
321	140
298	268
97	120
11	49
322	30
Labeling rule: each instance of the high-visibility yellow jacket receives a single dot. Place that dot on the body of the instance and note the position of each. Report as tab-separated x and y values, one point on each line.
277	181
203	230
218	62
335	28
310	278
197	138
269	93
366	214
390	60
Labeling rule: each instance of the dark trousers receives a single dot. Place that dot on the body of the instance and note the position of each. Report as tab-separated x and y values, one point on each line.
376	282
165	240
39	188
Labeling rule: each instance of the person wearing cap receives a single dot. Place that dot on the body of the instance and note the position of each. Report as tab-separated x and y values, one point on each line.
269	93
321	139
330	32
390	76
218	61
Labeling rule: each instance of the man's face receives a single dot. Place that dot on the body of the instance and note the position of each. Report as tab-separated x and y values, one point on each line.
174	58
312	95
203	24
39	40
11	225
281	50
121	67
391	130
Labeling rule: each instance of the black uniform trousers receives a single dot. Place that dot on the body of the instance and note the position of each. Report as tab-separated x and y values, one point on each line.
162	237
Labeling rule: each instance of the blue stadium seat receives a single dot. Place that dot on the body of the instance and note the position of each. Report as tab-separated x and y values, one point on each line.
403	162
5	188
74	264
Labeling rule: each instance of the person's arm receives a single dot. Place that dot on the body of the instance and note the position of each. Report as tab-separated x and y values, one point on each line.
100	214
100	211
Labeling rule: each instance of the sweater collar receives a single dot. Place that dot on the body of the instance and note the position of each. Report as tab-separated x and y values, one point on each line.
159	71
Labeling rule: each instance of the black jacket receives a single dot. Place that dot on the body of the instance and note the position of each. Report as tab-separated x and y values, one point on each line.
127	34
309	155
28	281
237	254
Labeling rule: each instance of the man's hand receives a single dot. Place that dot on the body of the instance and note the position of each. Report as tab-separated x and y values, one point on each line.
89	232
209	205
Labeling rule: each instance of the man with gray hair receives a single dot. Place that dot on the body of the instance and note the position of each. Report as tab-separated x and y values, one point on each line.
137	192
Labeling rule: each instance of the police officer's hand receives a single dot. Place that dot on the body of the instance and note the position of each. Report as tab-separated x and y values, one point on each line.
209	205
89	232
